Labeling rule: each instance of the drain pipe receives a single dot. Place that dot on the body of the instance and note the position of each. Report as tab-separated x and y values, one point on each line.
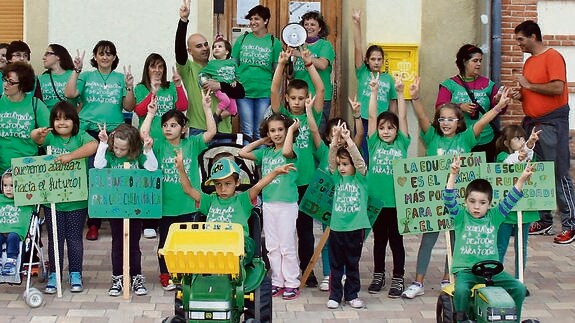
495	74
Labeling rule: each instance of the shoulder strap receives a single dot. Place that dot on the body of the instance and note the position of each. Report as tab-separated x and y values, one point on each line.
471	95
54	86
34	107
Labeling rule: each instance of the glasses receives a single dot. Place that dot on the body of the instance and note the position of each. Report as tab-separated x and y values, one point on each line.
20	55
7	80
49	53
443	120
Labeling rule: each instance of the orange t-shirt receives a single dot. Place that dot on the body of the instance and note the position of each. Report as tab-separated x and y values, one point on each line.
544	68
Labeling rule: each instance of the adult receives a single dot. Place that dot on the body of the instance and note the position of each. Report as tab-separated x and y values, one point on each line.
20	113
103	93
59	66
199	48
323	56
475	94
3	61
19	51
168	96
544	96
256	54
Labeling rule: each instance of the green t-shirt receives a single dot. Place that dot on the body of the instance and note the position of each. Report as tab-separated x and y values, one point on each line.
236	209
528	216
167	98
221	70
321	48
114	162
380	174
303	147
14	218
349	212
62	146
283	188
190	79
385	93
101	96
438	145
321	156
256	57
174	201
459	95
476	238
48	94
16	124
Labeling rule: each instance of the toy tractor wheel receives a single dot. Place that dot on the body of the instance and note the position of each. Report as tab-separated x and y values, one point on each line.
445	311
33	297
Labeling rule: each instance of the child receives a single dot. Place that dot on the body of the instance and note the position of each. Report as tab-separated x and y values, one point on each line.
321	143
513	149
14	223
176	206
388	139
447	135
294	99
124	147
68	143
280	208
365	67
477	220
348	219
221	69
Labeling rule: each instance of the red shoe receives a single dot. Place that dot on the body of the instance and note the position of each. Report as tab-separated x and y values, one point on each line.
166	282
565	237
92	233
537	228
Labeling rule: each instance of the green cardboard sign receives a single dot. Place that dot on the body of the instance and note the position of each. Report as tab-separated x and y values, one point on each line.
538	193
317	201
125	193
41	180
419	184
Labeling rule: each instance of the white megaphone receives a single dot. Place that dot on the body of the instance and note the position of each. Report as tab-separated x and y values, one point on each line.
294	35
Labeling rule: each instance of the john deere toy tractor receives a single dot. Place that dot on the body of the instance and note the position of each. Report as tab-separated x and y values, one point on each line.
205	260
488	303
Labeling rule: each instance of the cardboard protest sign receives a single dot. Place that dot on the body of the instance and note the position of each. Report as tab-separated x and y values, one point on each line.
419	184
41	180
125	193
538	193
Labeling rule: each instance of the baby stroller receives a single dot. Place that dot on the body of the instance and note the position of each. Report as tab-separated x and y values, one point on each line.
250	281
31	244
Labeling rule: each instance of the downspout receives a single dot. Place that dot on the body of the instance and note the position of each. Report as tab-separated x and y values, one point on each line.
495	74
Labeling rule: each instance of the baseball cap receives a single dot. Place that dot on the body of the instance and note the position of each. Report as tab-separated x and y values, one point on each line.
222	169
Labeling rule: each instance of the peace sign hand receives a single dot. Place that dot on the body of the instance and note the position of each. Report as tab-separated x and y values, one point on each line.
374	82
309	101
414	88
128	77
185	10
79	60
102	135
153	106
176	77
398	80
354	105
207	99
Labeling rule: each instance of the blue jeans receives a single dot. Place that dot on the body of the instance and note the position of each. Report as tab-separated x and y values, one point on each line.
325	116
251	115
12	241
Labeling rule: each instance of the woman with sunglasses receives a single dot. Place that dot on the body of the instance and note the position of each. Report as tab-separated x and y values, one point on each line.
59	66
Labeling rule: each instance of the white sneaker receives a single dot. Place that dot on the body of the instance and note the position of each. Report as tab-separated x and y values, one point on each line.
356	303
331	304
415	289
149	233
444	283
324	285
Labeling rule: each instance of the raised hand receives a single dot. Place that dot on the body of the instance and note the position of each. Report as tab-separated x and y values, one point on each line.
44	131
504	101
355	106
294	126
414	88
148	142
102	135
309	101
455	165
176	78
306	56
533	138
207	98
374	82
179	160
345	133
284	169
153	106
128	77
185	10
284	56
356	16
79	60
398	80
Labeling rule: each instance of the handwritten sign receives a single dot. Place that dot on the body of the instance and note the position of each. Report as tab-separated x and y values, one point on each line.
538	193
41	180
317	201
419	184
125	193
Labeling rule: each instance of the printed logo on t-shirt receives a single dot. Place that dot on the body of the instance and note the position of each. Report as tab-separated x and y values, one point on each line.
269	164
171	172
103	93
14	124
381	160
479	240
9	214
302	140
256	55
347	198
218	214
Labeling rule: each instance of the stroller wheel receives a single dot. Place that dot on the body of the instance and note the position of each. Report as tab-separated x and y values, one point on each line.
33	297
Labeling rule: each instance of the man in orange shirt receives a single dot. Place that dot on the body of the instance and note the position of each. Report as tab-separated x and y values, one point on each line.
544	96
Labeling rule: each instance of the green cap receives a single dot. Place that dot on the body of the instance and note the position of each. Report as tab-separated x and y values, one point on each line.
222	169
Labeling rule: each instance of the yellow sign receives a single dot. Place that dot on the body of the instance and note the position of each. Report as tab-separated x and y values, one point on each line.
401	59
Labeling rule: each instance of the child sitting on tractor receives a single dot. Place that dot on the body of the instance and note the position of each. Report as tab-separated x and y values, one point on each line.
476	228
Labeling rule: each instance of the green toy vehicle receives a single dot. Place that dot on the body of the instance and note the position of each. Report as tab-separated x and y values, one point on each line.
488	303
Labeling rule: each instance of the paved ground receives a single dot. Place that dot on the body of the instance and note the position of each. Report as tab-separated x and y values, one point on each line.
550	277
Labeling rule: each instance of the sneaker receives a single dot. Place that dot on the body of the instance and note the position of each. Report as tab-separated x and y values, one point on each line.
75	281
138	285
150	233
324	285
396	288
538	228
9	268
356	303
92	233
290	293
51	284
116	289
166	282
565	237
415	289
311	281
277	291
331	304
377	283
444	283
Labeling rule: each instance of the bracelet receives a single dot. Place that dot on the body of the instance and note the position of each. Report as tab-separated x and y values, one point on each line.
356	116
415	99
78	70
308	64
128	89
